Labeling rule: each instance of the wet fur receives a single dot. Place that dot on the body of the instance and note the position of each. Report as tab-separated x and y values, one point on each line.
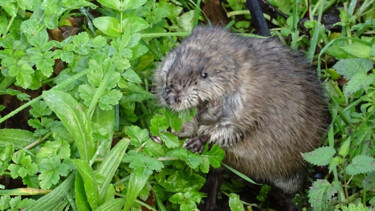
260	101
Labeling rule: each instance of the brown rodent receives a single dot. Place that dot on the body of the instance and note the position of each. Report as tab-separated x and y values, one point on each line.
259	100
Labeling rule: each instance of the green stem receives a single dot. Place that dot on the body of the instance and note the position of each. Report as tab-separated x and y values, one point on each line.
99	92
315	37
166	34
36	142
238	12
59	86
9	25
167	158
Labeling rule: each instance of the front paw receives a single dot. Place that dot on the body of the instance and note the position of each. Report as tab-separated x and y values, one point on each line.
196	144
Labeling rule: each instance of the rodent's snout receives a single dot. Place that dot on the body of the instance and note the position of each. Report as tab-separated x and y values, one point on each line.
170	97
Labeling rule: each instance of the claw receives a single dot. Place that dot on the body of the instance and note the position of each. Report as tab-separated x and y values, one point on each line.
157	139
196	144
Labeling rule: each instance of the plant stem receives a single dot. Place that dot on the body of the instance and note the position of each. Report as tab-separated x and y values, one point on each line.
36	142
9	25
238	12
315	37
166	34
167	158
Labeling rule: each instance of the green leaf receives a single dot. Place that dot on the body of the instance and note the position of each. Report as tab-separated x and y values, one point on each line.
369	182
359	81
159	123
57	196
134	24
76	4
320	156
72	116
113	4
354	207
137	135
344	149
80	194
108	25
179	180
349	67
321	193
86	92
138	161
59	148
39	109
132	76
9	7
136	183
186	20
50	171
170	140
18	137
89	181
110	99
187	200
103	129
110	164
361	164
132	4
114	204
235	203
215	155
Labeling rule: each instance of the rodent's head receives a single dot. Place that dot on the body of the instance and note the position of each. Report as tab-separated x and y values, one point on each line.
193	74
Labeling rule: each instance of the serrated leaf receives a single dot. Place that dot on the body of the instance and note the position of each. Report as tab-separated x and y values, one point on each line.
170	140
110	99
134	24
354	207
321	193
108	25
158	123
50	171
139	161
320	156
369	181
153	149
39	109
361	164
349	67
359	81
215	155
137	135
235	203
74	119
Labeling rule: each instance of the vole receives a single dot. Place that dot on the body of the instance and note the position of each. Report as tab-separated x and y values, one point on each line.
259	100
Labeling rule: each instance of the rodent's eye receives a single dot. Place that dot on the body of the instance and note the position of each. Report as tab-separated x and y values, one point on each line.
204	75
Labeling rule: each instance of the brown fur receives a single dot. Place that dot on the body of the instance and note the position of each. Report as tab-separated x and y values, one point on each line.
260	101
